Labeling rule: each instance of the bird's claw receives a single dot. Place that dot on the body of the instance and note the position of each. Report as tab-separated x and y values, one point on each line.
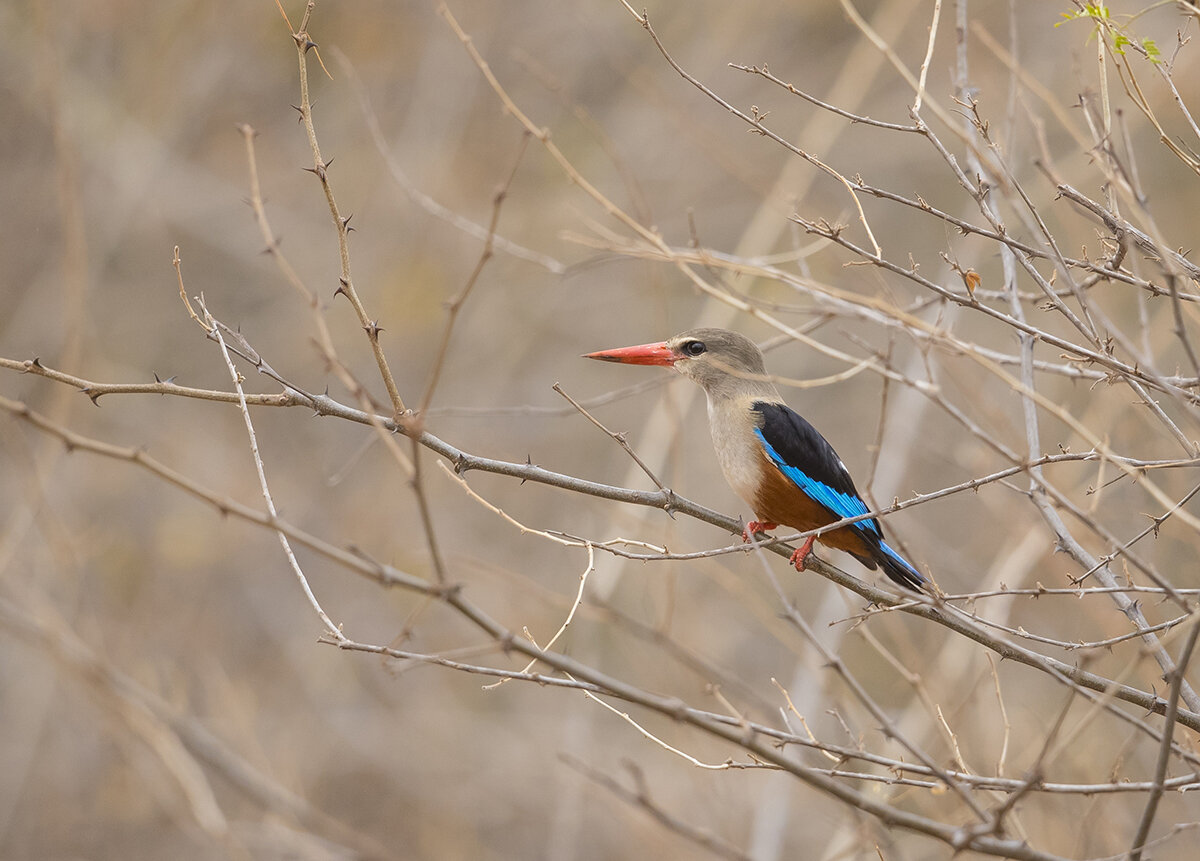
755	526
801	555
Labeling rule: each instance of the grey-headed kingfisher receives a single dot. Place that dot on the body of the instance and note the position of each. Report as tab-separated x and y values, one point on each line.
771	456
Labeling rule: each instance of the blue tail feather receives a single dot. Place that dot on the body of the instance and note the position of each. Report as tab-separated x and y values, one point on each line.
898	568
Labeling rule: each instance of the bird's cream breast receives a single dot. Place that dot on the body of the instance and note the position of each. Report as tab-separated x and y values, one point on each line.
737	447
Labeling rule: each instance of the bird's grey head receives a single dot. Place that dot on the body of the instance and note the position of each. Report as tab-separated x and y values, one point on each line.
725	363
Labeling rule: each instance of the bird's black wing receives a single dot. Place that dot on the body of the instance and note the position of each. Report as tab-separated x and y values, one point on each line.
807	459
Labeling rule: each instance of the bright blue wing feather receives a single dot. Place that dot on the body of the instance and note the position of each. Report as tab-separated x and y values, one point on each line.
841	504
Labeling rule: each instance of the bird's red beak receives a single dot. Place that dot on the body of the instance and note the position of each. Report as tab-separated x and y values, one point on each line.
643	354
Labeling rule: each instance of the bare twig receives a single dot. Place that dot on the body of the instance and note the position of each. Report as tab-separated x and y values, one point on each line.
320	169
1164	751
619	438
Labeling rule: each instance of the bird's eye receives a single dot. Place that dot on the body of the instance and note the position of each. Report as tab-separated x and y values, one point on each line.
694	348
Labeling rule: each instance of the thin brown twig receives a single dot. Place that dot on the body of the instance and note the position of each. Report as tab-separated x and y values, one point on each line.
325	342
341	223
764	72
618	437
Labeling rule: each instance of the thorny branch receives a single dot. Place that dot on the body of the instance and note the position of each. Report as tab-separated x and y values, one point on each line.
1095	350
463	462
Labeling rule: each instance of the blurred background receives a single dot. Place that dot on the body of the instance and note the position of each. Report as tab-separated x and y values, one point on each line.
163	691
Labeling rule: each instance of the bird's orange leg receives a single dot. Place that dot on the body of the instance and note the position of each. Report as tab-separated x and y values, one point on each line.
802	554
755	526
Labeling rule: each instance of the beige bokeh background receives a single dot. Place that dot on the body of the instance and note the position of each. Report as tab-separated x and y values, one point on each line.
120	142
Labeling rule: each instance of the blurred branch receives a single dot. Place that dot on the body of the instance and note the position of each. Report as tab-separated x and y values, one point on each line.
455	305
1067	541
890	729
648	235
433	207
640	798
37	625
755	120
415	423
1179	687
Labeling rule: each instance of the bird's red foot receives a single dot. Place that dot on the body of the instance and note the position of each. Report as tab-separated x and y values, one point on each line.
798	558
755	526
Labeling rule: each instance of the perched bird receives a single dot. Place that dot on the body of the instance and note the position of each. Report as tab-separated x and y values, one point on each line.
771	456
